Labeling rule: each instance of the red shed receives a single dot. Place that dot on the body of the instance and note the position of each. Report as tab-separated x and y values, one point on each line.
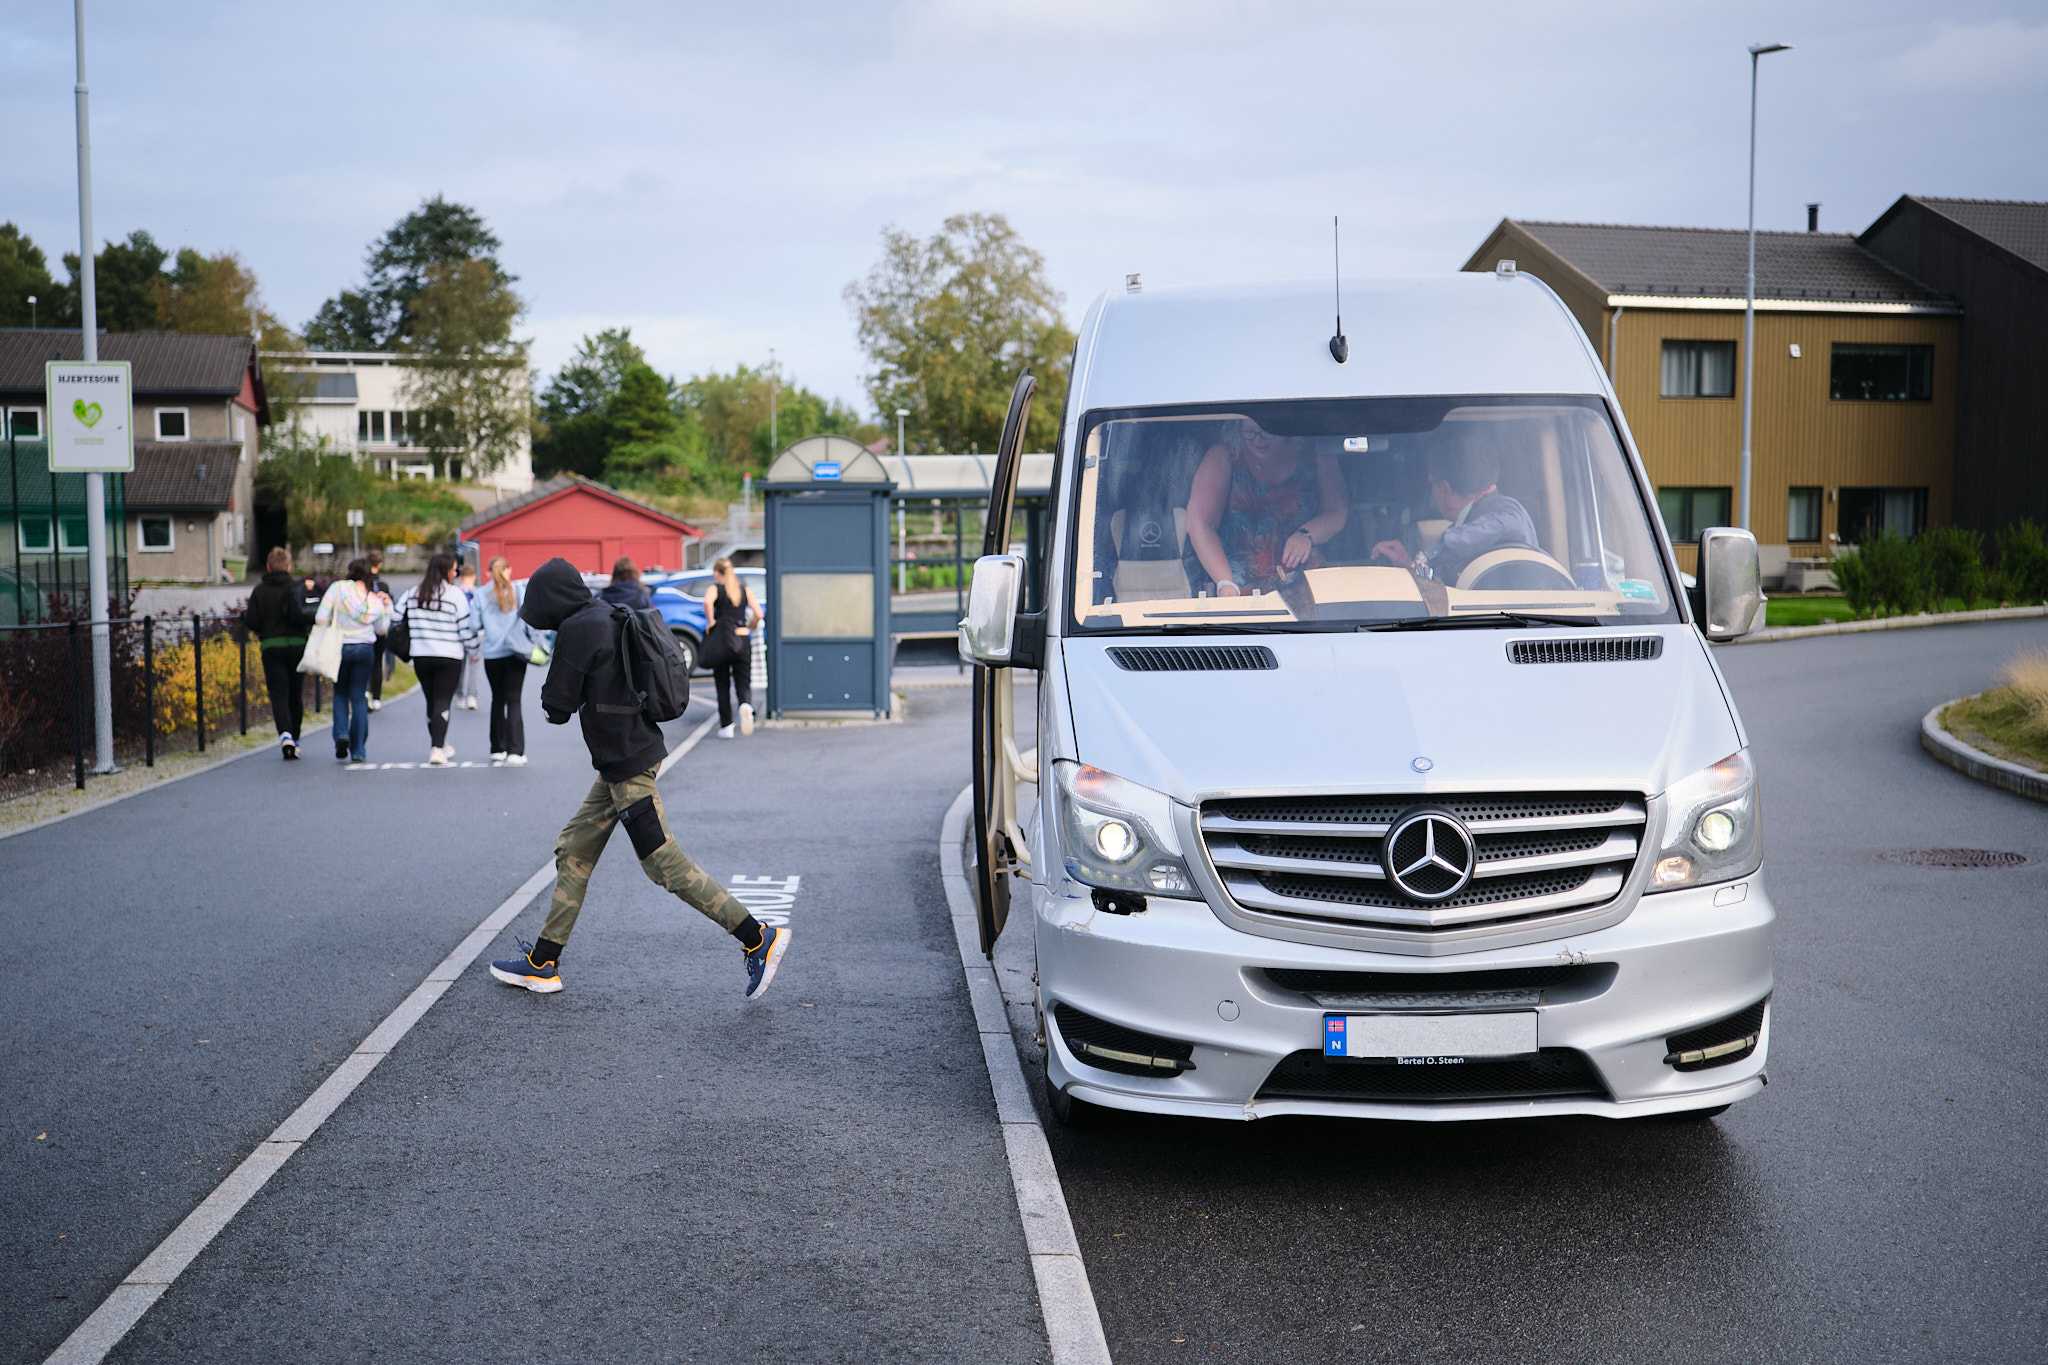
584	522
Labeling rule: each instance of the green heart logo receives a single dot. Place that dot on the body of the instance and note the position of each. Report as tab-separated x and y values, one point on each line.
88	413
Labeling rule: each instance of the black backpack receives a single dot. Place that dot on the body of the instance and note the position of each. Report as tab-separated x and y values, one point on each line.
656	671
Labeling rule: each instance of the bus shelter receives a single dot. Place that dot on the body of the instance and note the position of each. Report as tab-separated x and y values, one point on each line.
929	577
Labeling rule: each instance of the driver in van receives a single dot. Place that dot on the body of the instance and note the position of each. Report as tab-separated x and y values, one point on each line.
1463	484
1261	508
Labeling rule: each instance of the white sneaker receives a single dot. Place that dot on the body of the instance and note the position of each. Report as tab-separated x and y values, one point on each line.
437	758
746	718
285	741
515	760
498	759
376	705
469	703
725	732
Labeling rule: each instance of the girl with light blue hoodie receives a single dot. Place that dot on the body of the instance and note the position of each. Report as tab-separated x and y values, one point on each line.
508	645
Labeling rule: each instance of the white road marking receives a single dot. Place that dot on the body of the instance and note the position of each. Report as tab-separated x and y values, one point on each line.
1073	1327
134	1296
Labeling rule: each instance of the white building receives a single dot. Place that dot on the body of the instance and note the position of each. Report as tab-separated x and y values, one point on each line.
358	400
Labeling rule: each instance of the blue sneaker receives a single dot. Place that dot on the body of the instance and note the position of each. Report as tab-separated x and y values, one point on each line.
524	972
761	962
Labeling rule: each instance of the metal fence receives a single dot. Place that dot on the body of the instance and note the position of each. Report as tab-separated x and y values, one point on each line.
178	684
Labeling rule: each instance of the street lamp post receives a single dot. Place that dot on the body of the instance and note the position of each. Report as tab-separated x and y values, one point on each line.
95	483
1757	52
774	389
902	568
31	310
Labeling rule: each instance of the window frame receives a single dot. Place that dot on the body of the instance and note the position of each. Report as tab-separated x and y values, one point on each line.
1819	514
157	421
142	544
1694	523
1666	343
1911	349
54	526
1878	491
11	413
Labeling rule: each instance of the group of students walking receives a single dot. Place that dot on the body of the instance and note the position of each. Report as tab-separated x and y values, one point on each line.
449	631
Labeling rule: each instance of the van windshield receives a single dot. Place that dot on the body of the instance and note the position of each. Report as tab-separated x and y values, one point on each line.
1352	512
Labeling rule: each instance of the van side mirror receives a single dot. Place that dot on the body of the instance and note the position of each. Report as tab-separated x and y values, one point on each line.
988	633
1731	590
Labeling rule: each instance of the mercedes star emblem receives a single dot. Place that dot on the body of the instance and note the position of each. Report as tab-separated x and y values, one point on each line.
1429	855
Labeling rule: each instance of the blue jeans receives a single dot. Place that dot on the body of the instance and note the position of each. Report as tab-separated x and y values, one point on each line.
352	700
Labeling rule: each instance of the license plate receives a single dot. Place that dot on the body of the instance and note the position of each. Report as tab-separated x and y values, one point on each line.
1429	1039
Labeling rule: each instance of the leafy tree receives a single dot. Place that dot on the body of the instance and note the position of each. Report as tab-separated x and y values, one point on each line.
125	279
745	414
471	379
218	295
571	430
386	313
948	323
25	271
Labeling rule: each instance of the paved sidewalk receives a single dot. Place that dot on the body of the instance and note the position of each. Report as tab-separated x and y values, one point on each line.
647	1166
187	964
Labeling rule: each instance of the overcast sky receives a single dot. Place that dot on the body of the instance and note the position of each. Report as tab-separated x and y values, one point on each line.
713	176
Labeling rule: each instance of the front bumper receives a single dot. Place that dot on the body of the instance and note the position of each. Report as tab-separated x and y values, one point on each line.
1176	970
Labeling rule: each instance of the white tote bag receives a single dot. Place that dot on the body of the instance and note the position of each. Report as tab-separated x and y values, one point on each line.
323	647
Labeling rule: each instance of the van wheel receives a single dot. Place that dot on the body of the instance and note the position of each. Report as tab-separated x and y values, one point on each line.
1070	1113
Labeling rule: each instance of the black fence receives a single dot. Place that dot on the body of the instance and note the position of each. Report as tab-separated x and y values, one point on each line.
178	684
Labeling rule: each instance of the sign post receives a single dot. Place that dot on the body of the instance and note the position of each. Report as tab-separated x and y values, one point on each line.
95	480
355	529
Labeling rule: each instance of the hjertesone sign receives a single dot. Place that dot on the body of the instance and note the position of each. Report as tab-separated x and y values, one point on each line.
91	417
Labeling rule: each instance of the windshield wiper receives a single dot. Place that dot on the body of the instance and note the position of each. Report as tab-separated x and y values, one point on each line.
1483	618
1272	625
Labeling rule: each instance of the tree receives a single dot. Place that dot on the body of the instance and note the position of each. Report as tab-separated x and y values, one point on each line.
949	323
735	412
571	431
470	378
385	314
24	271
125	279
218	295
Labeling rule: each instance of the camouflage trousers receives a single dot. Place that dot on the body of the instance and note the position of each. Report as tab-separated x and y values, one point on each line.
636	804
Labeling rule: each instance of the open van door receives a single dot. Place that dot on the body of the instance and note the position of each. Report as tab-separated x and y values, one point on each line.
999	847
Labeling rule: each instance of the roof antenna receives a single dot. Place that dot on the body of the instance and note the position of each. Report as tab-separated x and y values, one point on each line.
1340	348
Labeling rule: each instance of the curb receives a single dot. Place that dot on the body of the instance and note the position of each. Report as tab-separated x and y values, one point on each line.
1974	762
1932	618
1073	1327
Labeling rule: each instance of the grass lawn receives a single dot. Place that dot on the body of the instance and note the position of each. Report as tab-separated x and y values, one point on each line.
1816	611
2003	723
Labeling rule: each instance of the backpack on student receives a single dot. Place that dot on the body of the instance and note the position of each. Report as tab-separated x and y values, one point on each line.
656	671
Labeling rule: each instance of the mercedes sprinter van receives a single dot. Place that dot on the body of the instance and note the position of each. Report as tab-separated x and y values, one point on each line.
1382	766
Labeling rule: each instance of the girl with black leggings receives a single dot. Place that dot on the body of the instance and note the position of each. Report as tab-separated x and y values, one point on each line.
442	631
509	645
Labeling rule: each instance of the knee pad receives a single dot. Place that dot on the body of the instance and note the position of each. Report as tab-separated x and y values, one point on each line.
642	820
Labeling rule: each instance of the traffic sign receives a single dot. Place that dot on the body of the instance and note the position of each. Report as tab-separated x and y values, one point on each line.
91	417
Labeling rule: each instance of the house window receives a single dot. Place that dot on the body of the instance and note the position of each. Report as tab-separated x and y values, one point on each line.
362	427
1689	511
1866	511
1698	369
26	423
398	429
32	532
173	424
1881	374
154	534
1802	514
241	425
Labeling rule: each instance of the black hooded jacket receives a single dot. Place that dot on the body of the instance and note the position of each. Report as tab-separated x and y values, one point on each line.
276	615
585	675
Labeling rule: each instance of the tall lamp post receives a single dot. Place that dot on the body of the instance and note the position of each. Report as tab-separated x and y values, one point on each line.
902	568
95	484
1757	51
31	310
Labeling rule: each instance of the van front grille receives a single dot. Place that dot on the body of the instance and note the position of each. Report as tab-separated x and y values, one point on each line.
1320	860
1552	1073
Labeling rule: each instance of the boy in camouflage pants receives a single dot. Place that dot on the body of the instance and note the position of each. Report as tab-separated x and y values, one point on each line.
586	679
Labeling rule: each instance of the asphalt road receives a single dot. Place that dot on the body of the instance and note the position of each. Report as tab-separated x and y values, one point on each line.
1883	1200
644	1166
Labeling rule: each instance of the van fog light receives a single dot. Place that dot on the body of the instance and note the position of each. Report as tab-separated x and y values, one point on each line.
1673	871
1114	840
1169	879
1716	831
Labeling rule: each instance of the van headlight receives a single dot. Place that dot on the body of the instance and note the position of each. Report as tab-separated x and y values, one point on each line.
1119	835
1712	831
